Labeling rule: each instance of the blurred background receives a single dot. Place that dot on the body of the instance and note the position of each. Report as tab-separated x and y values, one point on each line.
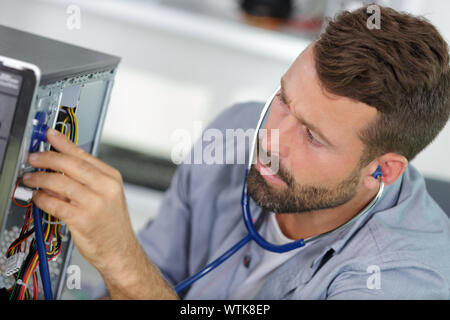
187	60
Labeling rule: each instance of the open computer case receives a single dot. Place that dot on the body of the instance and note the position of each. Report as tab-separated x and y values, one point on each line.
75	83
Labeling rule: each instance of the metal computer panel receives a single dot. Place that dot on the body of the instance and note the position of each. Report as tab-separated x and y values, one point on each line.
83	81
55	59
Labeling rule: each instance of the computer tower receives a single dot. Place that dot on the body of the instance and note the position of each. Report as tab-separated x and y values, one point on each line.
73	80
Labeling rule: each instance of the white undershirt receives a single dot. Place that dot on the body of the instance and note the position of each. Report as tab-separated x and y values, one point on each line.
269	262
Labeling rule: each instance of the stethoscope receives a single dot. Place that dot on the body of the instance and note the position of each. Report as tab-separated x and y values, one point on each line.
252	227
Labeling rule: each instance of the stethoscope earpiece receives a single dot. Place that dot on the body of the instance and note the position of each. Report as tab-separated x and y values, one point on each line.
378	173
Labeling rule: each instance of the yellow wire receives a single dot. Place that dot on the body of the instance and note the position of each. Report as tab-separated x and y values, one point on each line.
71	112
32	268
63	129
51	219
48	226
54	248
76	125
71	121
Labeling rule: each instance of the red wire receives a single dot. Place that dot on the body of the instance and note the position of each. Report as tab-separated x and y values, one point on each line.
28	223
25	227
19	244
29	206
57	252
35	289
22	289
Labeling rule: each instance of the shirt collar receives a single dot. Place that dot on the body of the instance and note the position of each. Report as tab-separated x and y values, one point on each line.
288	277
340	239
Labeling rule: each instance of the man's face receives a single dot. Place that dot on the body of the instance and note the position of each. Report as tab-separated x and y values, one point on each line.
319	150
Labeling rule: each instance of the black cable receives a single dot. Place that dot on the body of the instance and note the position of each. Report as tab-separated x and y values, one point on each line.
21	238
72	127
21	274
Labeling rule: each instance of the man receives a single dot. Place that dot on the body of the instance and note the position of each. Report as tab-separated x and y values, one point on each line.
355	100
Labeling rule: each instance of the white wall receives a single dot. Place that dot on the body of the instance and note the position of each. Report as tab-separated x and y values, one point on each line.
435	160
178	69
166	80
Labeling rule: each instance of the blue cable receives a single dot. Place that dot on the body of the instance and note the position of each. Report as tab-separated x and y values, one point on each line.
40	135
253	233
42	252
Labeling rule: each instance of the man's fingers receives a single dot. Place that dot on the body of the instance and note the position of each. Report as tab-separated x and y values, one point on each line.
58	184
63	144
56	195
76	168
55	207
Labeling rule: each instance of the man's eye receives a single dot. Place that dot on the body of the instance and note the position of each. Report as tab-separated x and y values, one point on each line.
311	137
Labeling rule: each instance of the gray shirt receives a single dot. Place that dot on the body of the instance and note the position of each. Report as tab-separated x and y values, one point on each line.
399	250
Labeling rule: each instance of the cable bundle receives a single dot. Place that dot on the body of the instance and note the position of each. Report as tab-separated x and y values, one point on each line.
51	228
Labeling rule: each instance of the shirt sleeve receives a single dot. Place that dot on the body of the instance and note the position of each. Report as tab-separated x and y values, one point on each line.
165	240
395	281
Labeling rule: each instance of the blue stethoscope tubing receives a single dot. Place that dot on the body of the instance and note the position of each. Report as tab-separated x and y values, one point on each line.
250	225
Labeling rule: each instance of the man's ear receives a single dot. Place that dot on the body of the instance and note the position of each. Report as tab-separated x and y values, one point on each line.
392	166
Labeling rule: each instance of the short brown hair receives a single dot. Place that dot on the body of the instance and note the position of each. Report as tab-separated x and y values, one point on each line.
401	69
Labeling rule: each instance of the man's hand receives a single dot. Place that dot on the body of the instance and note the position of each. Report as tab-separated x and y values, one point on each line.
89	198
